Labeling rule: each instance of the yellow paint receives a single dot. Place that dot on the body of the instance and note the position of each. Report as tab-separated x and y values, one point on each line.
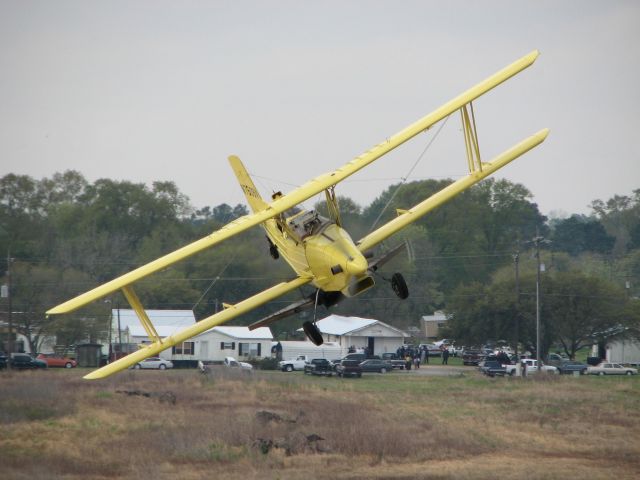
135	303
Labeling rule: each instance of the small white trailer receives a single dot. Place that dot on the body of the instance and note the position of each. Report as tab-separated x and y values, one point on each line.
293	349
624	351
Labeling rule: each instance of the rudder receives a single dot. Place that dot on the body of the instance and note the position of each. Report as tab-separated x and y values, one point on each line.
256	202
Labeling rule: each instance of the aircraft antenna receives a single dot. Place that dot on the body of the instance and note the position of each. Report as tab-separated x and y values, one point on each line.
406	177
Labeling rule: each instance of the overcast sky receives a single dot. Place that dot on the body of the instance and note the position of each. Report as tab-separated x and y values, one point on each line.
167	90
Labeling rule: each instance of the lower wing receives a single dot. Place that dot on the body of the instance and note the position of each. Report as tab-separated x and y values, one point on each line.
227	314
407	217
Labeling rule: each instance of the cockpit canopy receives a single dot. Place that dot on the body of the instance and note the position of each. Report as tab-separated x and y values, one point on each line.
308	222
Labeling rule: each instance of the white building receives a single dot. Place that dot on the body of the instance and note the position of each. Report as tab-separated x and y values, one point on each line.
212	345
360	333
238	342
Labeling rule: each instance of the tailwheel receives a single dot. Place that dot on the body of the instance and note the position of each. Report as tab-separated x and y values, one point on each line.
313	333
399	286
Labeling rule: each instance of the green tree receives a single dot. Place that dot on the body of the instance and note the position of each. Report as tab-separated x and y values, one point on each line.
620	216
584	309
577	310
35	289
579	234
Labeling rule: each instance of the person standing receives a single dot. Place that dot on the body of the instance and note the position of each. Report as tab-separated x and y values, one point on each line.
445	356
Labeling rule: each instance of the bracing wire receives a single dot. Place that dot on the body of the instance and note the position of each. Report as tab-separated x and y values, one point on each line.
406	177
213	282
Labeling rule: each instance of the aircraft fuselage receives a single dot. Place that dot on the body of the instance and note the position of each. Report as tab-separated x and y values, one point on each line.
316	247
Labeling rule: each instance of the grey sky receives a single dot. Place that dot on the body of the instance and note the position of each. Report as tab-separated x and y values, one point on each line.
158	90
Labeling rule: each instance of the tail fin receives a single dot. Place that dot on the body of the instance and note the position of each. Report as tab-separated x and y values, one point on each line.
253	197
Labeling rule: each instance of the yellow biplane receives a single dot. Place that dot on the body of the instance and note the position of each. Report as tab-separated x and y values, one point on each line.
319	249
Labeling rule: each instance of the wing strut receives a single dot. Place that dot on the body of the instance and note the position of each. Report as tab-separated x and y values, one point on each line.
471	138
135	303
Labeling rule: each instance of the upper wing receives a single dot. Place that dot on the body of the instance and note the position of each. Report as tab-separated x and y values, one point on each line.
409	216
198	327
327	180
237	226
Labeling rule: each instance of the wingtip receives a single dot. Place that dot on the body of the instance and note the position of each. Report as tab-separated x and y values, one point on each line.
544	133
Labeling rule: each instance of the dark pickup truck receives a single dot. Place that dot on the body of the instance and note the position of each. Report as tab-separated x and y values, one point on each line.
396	362
493	368
349	368
318	366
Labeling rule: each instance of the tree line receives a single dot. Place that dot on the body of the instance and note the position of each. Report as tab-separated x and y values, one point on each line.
64	235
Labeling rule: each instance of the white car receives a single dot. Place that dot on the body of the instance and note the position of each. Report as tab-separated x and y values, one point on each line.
233	363
532	367
155	363
611	369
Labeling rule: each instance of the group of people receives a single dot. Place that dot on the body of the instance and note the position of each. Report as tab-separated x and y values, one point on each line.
416	357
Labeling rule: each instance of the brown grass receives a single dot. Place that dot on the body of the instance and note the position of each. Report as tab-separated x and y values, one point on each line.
56	425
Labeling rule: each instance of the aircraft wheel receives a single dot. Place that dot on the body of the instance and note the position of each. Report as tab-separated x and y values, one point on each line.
399	286
312	332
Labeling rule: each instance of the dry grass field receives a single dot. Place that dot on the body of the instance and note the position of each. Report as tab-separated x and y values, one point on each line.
273	425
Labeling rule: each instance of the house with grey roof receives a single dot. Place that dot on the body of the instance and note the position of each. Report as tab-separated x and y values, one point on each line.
355	333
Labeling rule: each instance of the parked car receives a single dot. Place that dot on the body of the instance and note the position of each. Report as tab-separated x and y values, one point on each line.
611	369
349	368
396	362
376	365
3	361
319	366
570	366
493	368
24	361
472	356
360	357
530	365
233	363
54	360
153	363
431	348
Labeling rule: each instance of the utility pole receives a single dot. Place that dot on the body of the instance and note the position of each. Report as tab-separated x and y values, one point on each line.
537	240
516	259
10	316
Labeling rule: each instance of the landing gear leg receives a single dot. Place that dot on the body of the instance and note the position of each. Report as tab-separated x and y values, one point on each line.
399	286
310	328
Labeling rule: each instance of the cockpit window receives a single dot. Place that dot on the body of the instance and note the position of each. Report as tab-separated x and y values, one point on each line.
307	223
